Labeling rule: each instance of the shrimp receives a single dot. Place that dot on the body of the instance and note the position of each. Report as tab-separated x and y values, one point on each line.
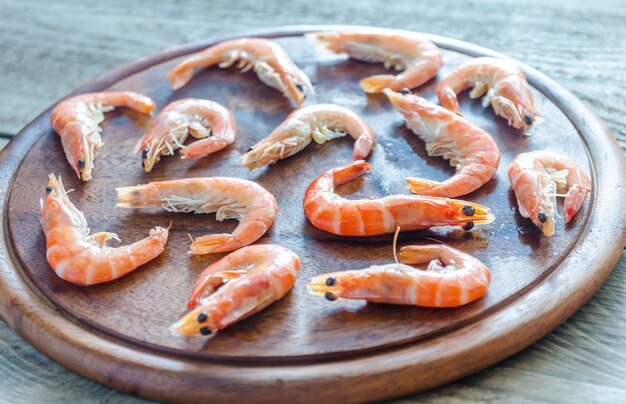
82	258
367	217
470	149
269	61
230	198
203	119
77	121
503	82
538	178
237	286
417	57
453	278
321	123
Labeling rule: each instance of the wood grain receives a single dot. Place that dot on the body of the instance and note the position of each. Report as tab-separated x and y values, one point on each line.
584	355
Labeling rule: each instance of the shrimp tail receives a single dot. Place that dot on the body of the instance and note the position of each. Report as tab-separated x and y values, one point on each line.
448	100
214	243
138	196
376	84
421	186
351	171
573	201
362	147
181	75
203	147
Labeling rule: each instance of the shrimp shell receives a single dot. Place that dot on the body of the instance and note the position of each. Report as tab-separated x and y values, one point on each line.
84	259
367	217
321	123
230	198
237	286
470	149
453	278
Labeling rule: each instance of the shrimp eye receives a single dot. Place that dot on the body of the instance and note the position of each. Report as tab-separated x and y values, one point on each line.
405	91
329	296
331	281
468	226
300	87
250	149
468	210
80	164
49	189
542	217
528	119
202	317
144	154
205	331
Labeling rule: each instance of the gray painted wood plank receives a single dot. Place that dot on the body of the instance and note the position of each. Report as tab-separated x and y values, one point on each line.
50	48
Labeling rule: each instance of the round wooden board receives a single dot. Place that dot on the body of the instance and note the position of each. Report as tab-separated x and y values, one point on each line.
302	347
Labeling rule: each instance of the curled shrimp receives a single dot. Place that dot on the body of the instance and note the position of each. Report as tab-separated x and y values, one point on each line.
77	121
320	123
470	149
203	119
453	278
269	60
538	178
82	258
237	286
503	84
230	198
367	217
417	58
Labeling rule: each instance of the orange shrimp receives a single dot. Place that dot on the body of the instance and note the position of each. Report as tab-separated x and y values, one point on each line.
77	121
84	259
503	82
269	61
237	286
419	58
367	217
203	119
470	149
538	178
453	278
320	123
230	198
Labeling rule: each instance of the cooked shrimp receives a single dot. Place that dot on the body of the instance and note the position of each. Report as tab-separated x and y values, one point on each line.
470	149
453	278
538	178
321	123
82	258
367	217
237	286
230	198
269	61
203	119
77	121
503	83
417	57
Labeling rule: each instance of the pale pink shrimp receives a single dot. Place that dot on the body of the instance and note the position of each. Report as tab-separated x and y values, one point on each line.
419	58
321	123
453	278
237	286
470	149
77	121
367	217
202	119
82	258
503	82
230	198
268	59
538	178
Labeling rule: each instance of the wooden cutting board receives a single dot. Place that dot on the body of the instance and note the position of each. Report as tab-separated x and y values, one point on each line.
303	347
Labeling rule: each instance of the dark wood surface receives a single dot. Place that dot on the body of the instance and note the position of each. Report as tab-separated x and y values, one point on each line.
301	330
583	358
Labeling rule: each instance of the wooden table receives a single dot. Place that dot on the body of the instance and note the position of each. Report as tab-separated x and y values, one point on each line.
49	48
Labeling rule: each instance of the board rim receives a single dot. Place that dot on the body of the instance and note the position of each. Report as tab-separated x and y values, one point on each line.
76	346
